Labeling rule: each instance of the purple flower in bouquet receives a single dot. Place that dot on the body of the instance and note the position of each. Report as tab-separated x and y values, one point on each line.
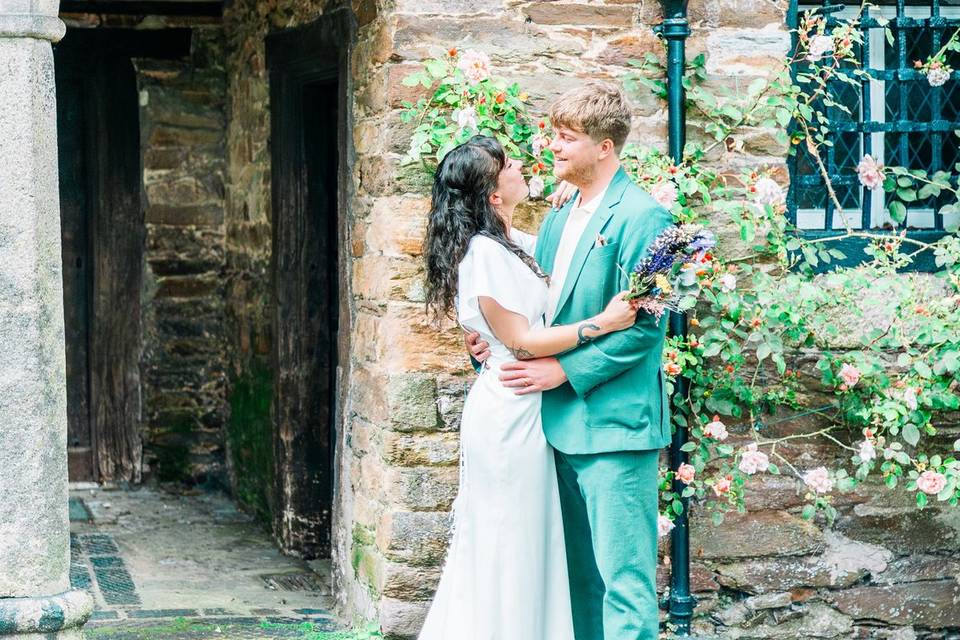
655	283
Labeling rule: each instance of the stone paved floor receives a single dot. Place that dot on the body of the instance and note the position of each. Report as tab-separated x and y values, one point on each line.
165	566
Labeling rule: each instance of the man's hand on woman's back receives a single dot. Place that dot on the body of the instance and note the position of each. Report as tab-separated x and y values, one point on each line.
479	349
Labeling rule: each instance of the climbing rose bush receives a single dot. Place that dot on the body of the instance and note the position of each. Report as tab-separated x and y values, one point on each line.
766	331
468	100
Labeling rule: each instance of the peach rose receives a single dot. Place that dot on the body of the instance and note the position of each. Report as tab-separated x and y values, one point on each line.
664	525
722	486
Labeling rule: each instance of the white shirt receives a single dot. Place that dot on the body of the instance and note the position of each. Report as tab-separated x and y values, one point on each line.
572	230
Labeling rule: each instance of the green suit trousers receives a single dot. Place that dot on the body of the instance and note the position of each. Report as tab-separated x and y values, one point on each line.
609	503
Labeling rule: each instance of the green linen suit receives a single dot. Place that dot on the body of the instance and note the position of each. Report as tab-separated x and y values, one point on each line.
609	421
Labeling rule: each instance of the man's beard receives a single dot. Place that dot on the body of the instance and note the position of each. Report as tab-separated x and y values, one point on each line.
579	175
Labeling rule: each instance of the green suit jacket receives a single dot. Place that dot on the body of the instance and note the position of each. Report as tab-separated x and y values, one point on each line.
615	398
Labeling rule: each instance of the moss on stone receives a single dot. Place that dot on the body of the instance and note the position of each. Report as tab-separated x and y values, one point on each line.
172	450
250	436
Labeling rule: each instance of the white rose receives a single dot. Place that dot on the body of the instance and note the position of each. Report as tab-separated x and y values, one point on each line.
536	186
665	193
465	118
866	451
728	282
769	192
819	47
938	77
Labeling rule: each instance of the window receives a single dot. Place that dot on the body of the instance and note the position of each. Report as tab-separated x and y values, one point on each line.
895	116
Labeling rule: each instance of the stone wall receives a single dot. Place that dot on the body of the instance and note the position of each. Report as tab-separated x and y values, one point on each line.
882	569
182	139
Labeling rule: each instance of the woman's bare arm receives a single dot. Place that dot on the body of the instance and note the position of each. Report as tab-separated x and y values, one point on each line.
525	343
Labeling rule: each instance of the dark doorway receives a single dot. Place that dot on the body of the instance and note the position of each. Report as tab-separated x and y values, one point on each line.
308	134
102	230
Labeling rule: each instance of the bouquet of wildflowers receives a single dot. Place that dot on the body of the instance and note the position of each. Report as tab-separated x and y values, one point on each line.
667	277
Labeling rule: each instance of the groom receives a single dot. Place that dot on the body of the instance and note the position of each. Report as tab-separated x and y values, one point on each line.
605	408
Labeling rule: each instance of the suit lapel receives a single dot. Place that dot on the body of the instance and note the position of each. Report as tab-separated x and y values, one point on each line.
551	241
597	221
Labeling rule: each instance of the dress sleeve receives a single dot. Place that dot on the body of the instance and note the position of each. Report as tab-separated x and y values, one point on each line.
491	270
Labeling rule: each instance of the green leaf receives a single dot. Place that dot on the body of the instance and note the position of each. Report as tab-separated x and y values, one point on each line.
921	499
898	211
808	512
763	351
774	469
713	349
412	80
928	190
780	362
436	68
688	446
911	434
907	195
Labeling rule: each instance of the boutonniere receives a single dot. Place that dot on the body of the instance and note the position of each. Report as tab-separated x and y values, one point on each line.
600	241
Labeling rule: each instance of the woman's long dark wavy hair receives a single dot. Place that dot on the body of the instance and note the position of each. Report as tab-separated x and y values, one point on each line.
466	178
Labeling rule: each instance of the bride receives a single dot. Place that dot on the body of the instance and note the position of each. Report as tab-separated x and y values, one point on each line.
505	576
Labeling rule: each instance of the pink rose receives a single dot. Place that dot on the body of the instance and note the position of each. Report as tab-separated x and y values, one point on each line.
870	172
931	482
850	375
672	369
716	429
752	461
475	66
818	480
722	485
664	525
665	193
866	451
685	473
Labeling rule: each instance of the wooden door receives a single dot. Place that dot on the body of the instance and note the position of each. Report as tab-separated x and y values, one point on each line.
74	95
102	231
308	133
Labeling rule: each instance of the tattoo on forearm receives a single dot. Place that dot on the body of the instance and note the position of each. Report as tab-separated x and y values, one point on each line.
520	353
583	339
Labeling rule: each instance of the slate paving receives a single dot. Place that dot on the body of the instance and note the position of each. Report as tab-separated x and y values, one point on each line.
165	566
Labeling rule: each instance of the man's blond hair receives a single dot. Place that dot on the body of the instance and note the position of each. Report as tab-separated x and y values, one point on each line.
598	109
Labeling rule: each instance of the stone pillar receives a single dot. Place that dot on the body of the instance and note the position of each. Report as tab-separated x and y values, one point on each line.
35	596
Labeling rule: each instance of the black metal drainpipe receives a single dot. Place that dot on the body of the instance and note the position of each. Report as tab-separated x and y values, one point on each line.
675	29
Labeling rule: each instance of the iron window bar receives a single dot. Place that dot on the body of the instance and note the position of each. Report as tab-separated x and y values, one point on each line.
887	117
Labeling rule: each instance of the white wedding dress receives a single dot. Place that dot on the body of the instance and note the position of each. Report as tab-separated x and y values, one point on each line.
505	576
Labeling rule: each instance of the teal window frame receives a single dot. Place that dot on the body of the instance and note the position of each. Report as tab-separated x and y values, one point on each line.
914	119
